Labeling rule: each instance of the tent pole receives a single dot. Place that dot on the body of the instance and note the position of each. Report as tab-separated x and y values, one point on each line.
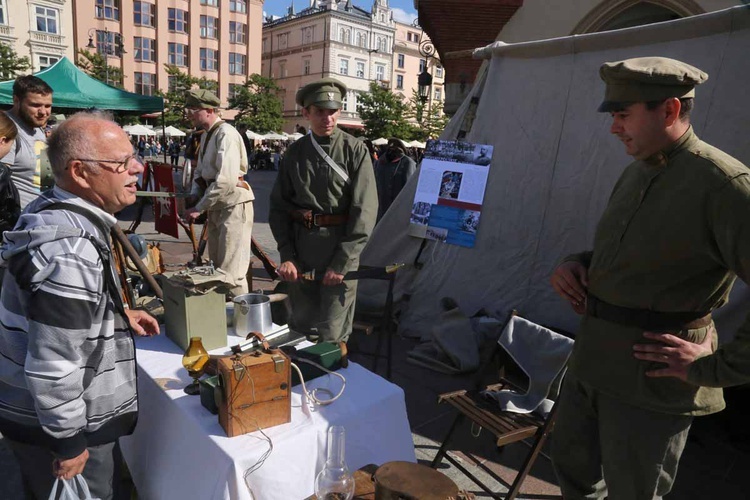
164	133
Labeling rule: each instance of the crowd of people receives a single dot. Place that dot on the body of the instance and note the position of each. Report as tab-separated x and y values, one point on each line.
645	360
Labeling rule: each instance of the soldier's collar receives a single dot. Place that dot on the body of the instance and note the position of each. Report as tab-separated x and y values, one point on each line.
661	158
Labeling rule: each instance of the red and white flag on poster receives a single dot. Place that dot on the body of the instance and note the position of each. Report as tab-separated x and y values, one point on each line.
165	209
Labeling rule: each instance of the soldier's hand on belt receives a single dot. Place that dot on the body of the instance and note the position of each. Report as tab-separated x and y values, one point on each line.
287	271
191	214
571	280
678	354
332	278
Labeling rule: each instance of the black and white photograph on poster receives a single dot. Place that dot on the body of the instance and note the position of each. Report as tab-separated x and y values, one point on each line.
420	213
482	154
451	184
470	221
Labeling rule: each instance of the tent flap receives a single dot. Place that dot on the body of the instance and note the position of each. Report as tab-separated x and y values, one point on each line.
74	89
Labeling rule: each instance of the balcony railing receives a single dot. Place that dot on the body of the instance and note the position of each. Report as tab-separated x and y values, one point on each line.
6	31
44	37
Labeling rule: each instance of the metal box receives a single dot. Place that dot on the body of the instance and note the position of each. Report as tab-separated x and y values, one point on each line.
187	314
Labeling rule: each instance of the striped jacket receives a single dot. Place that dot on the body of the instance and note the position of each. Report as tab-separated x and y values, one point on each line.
67	357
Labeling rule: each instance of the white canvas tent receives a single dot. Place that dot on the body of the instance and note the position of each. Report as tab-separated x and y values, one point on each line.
555	164
171	131
138	130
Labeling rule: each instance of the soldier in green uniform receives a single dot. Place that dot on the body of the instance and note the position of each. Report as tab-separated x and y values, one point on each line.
667	250
323	209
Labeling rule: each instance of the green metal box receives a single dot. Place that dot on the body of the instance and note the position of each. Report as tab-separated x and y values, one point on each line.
188	314
325	354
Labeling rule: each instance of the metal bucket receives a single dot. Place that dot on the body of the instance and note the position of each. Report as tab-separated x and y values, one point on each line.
252	313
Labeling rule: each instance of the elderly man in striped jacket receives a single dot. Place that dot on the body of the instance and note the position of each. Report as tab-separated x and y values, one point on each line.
67	358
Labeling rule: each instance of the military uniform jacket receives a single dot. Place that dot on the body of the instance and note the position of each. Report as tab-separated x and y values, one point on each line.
674	236
220	163
306	181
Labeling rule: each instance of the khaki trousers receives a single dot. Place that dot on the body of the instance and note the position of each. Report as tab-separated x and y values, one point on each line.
602	447
229	234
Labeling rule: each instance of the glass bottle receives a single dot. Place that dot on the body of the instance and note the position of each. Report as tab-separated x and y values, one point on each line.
194	361
335	482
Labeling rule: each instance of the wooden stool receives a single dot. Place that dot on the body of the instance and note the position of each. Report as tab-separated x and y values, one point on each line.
396	480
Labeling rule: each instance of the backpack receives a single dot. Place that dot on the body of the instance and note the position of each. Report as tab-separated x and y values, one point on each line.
10	204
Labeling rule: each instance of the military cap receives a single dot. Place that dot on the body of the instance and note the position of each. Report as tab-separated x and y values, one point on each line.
201	98
395	141
645	79
326	93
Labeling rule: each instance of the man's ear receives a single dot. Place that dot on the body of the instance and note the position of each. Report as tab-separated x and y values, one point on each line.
79	174
672	107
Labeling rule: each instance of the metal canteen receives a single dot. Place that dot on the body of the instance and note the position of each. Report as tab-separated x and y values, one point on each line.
252	313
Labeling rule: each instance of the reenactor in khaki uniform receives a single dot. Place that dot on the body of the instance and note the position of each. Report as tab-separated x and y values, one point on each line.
220	190
323	209
667	249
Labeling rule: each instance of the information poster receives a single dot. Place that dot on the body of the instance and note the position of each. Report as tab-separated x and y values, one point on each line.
450	192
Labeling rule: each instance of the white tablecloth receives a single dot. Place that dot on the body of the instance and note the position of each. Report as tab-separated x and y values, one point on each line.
179	451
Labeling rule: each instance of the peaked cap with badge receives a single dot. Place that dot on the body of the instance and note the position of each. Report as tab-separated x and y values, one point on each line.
326	93
645	79
201	98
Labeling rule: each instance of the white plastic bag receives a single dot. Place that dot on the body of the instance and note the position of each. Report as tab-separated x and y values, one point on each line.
72	489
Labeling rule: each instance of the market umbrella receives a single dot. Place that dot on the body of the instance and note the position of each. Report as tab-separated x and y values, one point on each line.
273	136
253	136
296	136
417	144
173	131
380	141
138	130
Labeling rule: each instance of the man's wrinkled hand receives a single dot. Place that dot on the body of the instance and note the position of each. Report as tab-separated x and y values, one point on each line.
67	469
191	214
142	323
287	271
332	278
678	354
571	281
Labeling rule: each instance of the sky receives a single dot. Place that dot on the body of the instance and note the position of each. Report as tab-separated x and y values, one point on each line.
403	10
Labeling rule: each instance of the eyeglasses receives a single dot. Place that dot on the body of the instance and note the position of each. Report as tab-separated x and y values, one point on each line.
122	165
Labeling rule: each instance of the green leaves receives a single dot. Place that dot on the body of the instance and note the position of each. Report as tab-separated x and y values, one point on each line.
96	66
258	105
10	64
174	97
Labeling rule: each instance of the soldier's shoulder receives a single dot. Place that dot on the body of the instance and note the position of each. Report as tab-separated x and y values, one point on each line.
720	163
296	146
349	141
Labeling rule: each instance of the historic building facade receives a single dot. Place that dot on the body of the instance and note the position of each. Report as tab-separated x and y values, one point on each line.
335	38
41	30
215	39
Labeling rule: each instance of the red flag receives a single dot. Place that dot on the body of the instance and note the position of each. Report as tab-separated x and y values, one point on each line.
165	209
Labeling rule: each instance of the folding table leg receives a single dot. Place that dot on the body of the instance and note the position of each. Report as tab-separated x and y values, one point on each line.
444	447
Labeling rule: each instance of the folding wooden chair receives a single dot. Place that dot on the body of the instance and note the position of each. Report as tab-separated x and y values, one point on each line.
507	427
382	321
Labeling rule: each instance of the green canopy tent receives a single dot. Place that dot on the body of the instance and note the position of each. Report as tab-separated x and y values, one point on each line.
74	89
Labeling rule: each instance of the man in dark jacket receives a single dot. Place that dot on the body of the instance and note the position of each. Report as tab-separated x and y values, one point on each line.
391	173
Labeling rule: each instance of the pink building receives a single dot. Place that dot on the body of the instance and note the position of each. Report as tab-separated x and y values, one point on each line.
216	39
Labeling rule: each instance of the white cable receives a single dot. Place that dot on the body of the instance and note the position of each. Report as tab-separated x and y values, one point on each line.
312	395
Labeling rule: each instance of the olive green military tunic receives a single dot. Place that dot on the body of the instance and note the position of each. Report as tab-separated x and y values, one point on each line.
306	181
674	236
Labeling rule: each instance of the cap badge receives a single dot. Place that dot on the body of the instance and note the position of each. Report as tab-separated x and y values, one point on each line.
330	96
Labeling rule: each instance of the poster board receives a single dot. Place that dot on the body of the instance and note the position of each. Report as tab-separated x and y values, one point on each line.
450	192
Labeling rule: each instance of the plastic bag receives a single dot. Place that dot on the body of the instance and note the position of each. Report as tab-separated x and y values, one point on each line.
72	489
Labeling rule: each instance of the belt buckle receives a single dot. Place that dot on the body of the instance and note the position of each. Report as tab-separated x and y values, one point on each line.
315	220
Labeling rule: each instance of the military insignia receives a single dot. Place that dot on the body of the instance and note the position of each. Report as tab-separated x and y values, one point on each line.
330	96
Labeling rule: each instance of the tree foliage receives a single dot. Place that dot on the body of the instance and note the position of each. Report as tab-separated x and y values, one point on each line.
259	107
174	98
10	64
429	118
383	113
96	66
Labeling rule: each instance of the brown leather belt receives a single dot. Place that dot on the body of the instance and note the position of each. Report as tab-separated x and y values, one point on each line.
309	219
653	321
